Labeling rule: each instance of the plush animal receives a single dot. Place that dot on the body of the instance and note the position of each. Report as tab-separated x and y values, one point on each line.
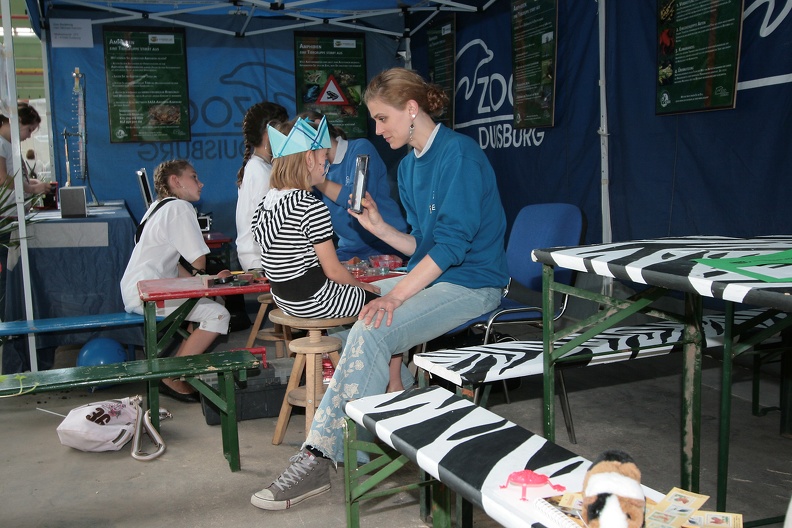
612	493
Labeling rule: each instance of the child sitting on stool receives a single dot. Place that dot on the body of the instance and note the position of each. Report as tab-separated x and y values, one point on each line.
295	232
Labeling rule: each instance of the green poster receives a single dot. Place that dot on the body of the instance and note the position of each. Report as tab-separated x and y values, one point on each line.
147	96
698	50
442	46
330	73
534	35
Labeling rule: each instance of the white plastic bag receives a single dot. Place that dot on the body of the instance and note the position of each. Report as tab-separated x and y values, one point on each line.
99	426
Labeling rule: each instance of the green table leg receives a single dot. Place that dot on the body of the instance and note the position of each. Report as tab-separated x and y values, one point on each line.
691	398
150	341
548	331
786	388
725	407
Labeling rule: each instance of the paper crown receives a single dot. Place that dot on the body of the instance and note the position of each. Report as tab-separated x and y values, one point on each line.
303	136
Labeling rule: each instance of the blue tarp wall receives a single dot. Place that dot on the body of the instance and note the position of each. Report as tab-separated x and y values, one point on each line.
715	173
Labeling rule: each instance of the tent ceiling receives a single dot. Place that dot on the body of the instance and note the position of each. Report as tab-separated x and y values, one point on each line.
353	14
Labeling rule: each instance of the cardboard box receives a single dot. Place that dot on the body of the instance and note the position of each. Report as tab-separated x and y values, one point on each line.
260	396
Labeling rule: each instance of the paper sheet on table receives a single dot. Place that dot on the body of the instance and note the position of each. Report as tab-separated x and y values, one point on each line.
773	267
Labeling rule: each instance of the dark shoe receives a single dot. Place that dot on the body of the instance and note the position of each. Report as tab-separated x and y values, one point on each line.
190	397
307	476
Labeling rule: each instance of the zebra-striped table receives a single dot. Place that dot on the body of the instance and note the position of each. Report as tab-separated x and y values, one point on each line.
669	265
471	450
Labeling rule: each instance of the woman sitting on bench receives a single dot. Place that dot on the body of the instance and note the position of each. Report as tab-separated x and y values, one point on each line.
171	246
457	267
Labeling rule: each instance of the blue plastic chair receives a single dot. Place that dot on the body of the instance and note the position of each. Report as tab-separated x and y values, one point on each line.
536	226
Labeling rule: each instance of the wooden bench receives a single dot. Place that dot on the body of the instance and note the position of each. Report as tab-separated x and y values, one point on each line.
67	324
227	366
475	365
472	367
443	433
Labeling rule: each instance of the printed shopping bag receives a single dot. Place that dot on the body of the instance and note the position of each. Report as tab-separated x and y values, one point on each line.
100	426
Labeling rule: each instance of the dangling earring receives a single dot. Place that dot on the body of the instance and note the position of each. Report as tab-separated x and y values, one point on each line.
412	128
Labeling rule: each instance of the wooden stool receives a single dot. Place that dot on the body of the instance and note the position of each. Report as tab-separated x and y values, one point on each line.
308	358
280	334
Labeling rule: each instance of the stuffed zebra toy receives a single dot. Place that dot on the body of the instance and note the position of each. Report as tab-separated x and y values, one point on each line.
612	493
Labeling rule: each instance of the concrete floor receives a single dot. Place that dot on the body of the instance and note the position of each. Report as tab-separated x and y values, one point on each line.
634	407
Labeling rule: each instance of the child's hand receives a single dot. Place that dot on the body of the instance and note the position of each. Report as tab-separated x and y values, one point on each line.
370	287
224	273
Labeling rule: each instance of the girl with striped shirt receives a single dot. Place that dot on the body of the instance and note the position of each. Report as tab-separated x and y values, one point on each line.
295	233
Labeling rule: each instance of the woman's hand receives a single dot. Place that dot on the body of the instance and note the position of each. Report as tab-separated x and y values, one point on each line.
369	218
380	310
34	186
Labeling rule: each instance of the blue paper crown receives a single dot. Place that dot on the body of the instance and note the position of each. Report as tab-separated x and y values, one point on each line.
303	136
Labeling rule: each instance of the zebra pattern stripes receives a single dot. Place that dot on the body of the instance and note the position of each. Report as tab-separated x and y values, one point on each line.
287	233
515	359
469	448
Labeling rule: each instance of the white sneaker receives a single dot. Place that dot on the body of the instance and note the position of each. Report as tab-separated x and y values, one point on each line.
307	476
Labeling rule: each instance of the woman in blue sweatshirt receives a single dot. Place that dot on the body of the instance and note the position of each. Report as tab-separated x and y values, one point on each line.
457	267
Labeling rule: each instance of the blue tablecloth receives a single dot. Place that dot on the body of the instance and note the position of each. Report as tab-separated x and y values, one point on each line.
76	266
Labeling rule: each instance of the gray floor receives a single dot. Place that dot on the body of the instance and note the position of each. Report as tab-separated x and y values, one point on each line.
634	407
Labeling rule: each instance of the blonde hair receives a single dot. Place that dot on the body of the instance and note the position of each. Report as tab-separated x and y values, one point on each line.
290	171
396	86
163	171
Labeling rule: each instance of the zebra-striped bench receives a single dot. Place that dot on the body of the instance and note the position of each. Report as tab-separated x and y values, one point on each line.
470	367
442	433
475	365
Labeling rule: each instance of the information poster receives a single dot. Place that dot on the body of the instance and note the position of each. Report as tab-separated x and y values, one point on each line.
147	95
534	24
442	51
330	72
698	50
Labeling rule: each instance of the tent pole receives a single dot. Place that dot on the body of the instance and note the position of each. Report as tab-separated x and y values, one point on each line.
603	131
48	99
10	80
607	236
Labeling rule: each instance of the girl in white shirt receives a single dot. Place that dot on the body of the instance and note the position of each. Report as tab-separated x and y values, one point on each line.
253	178
171	232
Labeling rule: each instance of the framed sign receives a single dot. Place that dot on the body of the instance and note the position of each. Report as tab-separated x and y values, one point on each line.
442	52
698	50
534	34
330	73
147	98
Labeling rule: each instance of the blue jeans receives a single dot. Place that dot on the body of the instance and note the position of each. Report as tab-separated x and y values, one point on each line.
363	368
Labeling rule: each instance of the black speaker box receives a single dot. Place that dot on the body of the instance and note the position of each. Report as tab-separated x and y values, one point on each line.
73	202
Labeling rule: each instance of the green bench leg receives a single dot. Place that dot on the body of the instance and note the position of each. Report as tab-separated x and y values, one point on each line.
225	400
386	462
228	420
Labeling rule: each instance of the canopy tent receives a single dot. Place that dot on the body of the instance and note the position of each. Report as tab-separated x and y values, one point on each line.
707	173
304	14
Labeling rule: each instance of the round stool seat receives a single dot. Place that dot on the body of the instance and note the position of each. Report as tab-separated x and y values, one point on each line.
307	345
297	397
277	316
279	334
265	298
